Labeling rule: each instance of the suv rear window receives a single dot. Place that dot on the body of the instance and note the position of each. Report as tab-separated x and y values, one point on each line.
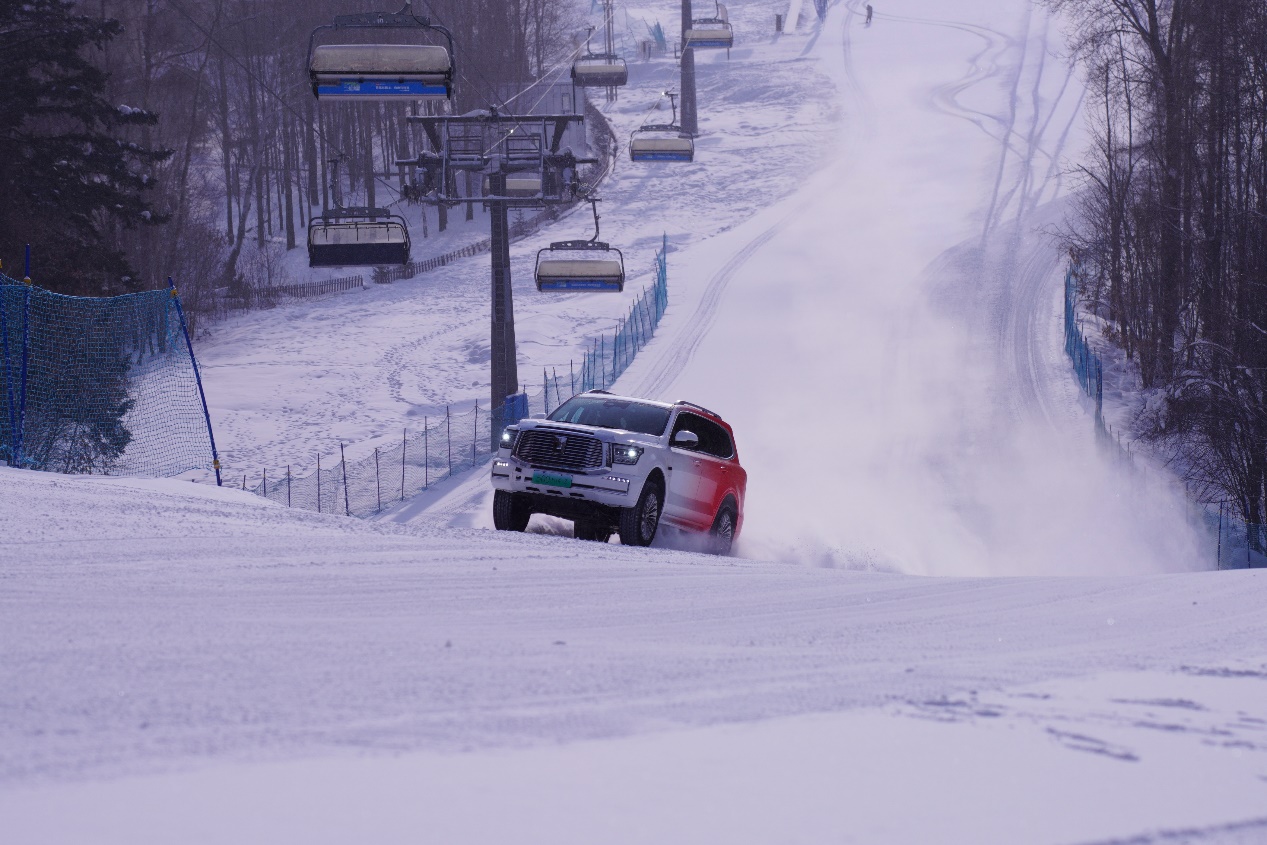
612	412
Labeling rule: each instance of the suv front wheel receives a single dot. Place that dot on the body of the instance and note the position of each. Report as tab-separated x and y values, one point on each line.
639	523
511	511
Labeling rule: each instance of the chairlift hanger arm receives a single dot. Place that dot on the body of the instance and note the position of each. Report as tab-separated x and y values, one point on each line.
358	211
594	205
404	19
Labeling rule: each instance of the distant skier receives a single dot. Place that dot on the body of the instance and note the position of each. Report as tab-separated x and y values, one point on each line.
869	13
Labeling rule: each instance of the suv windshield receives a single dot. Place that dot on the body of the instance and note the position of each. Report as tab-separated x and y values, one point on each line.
612	412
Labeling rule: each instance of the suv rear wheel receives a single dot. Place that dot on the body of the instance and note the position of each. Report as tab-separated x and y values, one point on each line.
722	534
639	523
511	511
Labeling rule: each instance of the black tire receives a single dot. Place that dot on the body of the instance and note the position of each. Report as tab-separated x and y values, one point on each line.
511	511
585	529
722	535
638	524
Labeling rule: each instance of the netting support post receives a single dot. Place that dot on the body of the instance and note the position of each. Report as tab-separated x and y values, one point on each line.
287	485
404	441
343	460
206	415
19	436
448	438
378	481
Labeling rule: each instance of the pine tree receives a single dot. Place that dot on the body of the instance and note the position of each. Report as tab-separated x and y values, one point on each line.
71	180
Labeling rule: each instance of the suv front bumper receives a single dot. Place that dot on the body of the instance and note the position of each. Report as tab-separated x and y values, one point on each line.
604	486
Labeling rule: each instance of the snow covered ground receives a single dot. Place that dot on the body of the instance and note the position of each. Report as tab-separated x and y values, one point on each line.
860	286
188	664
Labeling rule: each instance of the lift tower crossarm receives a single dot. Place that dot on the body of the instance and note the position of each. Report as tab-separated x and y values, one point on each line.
557	123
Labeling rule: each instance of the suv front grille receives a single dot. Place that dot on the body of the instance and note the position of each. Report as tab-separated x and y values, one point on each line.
560	449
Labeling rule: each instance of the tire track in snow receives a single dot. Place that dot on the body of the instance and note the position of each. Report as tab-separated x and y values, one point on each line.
1013	105
689	336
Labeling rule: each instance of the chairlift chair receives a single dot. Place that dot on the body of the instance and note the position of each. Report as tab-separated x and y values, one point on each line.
662	141
382	71
599	70
581	265
710	32
357	237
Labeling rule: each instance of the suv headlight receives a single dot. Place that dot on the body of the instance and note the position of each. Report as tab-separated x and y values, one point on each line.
509	436
625	454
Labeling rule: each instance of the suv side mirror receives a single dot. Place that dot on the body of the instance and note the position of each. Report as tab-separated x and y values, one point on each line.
686	439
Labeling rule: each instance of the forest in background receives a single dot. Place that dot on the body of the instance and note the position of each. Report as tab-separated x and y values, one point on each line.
1172	235
160	137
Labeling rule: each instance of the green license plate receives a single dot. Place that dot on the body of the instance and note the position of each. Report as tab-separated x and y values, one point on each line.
550	479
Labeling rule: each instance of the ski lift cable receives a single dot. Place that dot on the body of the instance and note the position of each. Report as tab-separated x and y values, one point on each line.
484	80
565	62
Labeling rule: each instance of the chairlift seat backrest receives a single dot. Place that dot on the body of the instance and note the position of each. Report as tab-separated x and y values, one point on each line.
574	268
382	59
665	143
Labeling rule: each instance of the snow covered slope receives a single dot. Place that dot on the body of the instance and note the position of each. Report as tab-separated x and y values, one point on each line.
189	664
168	647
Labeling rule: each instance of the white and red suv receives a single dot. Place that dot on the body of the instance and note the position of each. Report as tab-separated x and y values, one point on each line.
616	464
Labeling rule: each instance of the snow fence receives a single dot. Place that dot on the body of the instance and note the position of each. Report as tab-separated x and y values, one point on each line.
99	385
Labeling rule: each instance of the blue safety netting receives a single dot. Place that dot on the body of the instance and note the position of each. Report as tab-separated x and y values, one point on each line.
98	385
1087	366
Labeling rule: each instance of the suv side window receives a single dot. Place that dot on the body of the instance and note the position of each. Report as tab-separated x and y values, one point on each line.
692	423
714	440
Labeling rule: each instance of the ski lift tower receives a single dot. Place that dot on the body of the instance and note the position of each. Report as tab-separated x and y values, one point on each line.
498	146
690	111
609	21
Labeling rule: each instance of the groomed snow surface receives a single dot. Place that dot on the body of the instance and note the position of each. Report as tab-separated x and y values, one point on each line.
951	620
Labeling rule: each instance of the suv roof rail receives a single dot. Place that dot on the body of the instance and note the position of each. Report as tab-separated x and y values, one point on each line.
697	407
599	390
